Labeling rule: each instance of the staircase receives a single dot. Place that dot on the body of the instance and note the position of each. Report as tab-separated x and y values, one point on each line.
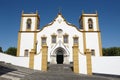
55	72
66	68
11	72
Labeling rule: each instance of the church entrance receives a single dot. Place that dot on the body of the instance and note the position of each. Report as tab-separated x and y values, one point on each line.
60	57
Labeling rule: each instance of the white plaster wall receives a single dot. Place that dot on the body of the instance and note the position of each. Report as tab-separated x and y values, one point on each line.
59	23
106	65
32	24
94	23
38	61
27	41
92	42
19	61
82	64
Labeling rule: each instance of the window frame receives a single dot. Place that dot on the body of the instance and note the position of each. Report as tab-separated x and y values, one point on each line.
28	23
66	38
74	42
26	52
42	43
90	24
52	39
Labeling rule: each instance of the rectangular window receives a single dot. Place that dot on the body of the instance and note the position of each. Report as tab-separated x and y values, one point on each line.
43	40
75	40
65	37
53	38
26	52
92	52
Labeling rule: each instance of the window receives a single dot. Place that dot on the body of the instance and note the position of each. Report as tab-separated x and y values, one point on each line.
75	40
29	23
26	52
65	37
90	23
92	52
43	40
53	38
59	33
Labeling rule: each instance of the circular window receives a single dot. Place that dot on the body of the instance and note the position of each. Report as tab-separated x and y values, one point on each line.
59	30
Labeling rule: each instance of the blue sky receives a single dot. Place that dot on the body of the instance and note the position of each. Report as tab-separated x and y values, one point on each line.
108	10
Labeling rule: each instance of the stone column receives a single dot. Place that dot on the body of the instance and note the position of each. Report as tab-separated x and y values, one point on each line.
75	59
88	59
44	57
31	59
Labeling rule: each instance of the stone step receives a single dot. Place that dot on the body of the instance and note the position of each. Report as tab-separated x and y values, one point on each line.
59	68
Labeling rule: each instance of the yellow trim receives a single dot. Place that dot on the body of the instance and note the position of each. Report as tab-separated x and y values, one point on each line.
99	37
100	44
44	57
30	15
88	61
18	46
35	36
97	24
75	59
89	15
21	24
31	59
84	36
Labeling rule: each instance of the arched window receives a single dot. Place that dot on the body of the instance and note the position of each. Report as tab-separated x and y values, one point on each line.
29	21
43	40
92	52
75	40
26	52
90	23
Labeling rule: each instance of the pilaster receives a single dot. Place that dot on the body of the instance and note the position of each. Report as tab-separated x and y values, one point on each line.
44	57
31	61
75	59
88	59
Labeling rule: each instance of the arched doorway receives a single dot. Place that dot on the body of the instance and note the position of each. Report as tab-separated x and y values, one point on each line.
60	57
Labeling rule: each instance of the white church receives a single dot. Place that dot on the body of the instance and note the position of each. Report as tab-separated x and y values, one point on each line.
60	42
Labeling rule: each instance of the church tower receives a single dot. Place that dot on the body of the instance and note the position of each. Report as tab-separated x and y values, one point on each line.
28	32
91	33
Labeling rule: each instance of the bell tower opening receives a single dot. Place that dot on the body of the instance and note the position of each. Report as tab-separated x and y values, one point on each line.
60	57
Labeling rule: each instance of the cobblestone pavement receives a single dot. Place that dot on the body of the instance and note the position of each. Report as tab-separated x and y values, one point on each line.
55	72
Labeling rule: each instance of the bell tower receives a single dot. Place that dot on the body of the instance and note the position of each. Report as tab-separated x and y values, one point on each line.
89	22
91	33
29	22
27	35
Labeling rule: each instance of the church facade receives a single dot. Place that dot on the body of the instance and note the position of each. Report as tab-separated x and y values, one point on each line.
57	40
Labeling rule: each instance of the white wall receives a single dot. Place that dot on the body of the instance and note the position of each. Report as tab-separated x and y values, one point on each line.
19	61
27	41
106	65
82	64
38	61
92	42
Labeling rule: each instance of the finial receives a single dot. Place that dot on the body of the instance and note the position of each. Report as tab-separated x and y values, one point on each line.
59	10
96	12
82	11
22	11
36	11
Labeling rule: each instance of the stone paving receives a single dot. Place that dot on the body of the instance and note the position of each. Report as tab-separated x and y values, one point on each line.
55	72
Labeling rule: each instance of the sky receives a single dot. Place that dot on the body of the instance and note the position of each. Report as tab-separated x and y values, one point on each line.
108	11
